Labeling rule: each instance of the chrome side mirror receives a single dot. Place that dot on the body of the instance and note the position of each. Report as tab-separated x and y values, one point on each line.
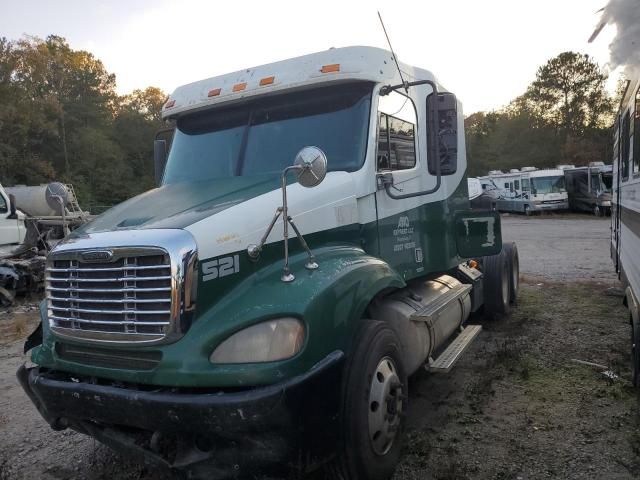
311	166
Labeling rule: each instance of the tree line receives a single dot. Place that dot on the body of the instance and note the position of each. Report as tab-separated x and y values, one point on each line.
563	117
61	119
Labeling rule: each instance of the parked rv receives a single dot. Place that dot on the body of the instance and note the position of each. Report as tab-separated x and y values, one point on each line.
625	214
184	327
480	197
528	190
589	188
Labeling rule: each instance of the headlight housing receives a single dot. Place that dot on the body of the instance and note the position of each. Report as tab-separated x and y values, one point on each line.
269	341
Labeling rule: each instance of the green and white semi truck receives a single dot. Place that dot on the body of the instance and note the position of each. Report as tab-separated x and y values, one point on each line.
309	246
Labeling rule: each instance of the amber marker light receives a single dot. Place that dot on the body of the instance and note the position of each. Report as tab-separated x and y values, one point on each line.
267	81
238	87
473	264
214	93
334	67
170	104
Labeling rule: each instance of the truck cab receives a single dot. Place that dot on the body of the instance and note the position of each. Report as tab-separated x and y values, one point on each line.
309	246
12	227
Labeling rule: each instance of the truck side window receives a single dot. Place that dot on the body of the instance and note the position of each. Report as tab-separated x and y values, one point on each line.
396	132
3	205
517	184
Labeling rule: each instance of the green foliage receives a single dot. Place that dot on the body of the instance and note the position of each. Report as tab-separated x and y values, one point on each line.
62	119
562	118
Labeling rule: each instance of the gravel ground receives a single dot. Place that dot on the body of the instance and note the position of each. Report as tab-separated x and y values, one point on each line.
516	406
562	247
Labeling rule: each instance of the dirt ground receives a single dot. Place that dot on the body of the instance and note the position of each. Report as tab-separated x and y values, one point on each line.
517	406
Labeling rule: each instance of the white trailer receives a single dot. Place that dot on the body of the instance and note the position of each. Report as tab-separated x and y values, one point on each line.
625	211
528	190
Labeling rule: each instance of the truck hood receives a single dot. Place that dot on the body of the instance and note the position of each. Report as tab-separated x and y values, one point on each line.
180	205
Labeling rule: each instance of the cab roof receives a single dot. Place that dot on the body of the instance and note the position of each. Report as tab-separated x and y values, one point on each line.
330	66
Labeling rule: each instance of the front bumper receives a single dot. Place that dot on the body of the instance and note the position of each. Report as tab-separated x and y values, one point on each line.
561	205
216	434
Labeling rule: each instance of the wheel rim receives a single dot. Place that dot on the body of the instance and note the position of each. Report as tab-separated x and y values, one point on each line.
385	406
596	211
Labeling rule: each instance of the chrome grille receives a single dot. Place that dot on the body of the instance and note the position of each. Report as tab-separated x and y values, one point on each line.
122	287
129	295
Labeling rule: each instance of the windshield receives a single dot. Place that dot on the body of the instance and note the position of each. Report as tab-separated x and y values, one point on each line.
542	185
263	137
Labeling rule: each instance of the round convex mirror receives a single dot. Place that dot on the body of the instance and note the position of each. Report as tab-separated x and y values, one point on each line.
314	166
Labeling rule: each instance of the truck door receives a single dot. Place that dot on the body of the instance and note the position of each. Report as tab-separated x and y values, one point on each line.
9	232
398	220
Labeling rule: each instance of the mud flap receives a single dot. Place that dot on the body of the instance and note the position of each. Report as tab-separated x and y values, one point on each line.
478	233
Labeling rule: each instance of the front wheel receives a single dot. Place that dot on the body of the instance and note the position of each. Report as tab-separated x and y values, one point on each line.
374	401
597	211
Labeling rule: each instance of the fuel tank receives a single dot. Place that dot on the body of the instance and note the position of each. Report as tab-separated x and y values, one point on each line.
425	315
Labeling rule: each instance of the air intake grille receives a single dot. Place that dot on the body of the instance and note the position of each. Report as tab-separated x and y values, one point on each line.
109	358
128	296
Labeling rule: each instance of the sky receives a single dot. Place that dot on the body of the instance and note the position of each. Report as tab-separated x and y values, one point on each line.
484	51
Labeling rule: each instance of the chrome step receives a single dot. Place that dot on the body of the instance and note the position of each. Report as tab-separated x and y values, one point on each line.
431	311
454	351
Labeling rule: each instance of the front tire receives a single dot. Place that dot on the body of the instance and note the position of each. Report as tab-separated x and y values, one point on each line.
374	401
597	211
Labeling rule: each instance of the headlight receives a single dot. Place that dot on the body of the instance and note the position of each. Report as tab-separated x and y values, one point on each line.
265	342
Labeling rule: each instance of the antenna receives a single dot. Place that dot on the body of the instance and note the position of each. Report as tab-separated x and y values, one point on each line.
404	83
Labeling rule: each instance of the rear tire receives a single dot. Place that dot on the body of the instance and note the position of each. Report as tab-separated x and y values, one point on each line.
374	400
496	285
511	251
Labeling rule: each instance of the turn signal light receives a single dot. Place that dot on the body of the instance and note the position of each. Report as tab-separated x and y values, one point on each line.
170	104
238	87
267	81
473	264
214	93
334	67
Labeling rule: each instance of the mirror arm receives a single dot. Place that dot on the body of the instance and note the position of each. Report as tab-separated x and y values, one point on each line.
387	89
287	276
